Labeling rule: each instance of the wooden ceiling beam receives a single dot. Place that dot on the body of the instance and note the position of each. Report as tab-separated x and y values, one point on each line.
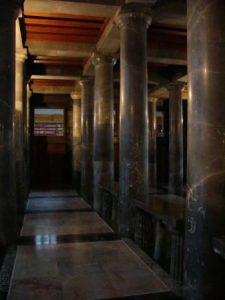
60	38
58	62
50	82
62	23
60	58
62	16
60	30
71	7
57	49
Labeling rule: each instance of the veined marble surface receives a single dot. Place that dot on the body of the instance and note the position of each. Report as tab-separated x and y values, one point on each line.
56	203
63	224
95	270
52	193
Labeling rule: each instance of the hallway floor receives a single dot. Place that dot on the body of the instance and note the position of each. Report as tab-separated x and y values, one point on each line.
66	251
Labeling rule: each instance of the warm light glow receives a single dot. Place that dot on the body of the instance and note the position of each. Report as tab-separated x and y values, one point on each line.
19	106
189	95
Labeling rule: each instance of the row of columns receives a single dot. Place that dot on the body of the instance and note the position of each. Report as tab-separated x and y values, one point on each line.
135	130
83	132
204	272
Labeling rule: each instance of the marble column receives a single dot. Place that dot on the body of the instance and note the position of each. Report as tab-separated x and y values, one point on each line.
76	138
152	142
27	135
21	182
133	21
175	138
103	163
8	222
204	270
87	121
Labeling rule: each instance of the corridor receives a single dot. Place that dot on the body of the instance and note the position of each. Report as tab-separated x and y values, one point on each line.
112	149
66	251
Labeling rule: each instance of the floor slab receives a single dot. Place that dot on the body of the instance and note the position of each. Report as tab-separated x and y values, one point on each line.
97	270
56	204
52	193
54	224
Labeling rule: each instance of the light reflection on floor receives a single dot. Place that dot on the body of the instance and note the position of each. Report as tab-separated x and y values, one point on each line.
45	240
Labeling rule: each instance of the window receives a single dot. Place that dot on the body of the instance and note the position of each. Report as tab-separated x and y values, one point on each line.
48	122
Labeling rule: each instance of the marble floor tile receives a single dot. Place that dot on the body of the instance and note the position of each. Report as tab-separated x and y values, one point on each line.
96	270
54	204
52	193
54	224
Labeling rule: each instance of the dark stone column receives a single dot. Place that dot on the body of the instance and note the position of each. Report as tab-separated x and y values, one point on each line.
205	215
8	228
27	135
76	138
87	121
133	22
21	182
152	142
175	139
103	163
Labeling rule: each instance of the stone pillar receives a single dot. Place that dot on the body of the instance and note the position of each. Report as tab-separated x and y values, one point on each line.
152	142
103	163
27	134
133	21
76	138
175	138
87	121
21	182
8	227
204	270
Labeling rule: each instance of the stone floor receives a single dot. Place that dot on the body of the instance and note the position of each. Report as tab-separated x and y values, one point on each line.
56	204
63	224
53	193
102	268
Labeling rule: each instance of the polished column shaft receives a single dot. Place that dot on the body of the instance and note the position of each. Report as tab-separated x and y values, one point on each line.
103	126
7	103
20	105
76	138
175	139
27	135
87	121
152	142
204	270
134	160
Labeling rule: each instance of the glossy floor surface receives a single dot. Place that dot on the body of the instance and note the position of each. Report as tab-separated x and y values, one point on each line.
56	204
99	269
63	223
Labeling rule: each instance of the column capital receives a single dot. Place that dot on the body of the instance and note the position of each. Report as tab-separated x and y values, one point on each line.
86	79
153	99
21	54
178	85
75	96
100	58
134	12
29	92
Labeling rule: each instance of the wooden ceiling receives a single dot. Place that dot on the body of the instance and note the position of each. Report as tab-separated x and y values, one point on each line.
57	61
60	42
63	28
